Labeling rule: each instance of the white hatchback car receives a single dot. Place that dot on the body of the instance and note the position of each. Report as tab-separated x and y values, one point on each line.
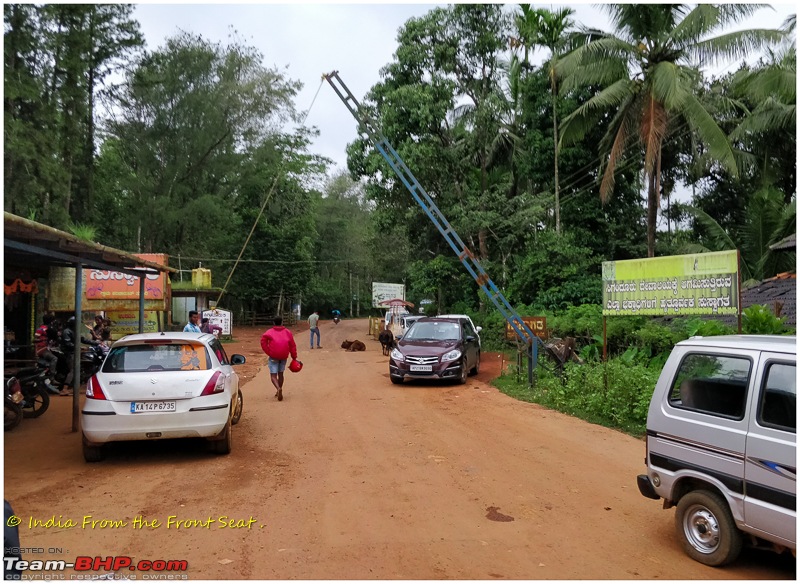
162	385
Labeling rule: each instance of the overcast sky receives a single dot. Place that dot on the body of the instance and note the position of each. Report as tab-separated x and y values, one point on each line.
306	40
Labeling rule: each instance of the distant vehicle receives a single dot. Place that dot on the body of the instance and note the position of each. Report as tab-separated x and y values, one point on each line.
397	317
154	386
721	444
477	328
407	321
436	348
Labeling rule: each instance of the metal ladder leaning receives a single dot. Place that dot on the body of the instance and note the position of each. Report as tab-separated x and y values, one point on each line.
370	129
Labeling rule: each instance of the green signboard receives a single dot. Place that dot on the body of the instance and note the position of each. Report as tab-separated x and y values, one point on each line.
703	283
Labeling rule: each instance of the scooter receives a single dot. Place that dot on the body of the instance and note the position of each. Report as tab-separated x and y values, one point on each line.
91	361
12	410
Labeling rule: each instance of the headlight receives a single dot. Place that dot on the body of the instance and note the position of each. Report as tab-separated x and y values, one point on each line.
452	355
396	355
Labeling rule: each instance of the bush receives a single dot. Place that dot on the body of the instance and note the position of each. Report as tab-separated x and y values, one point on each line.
620	402
759	320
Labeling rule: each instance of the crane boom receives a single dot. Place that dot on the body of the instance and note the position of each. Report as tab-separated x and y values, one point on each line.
370	129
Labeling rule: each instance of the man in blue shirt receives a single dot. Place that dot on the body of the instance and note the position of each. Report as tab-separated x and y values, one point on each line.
193	326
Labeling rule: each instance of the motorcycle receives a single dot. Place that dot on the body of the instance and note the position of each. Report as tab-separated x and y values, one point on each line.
36	398
33	384
91	360
335	320
12	410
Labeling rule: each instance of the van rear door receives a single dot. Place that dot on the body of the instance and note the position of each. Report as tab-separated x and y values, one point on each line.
770	503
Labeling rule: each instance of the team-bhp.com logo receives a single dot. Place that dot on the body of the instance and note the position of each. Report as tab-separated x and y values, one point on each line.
95	564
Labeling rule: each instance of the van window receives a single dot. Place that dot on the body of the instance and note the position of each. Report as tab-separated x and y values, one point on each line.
712	384
778	405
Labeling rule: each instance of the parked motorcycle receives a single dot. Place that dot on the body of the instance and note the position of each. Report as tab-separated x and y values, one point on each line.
35	390
91	361
12	410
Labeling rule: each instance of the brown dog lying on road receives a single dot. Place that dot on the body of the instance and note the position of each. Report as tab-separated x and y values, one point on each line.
354	346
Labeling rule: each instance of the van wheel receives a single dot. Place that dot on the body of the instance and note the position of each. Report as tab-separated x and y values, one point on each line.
706	528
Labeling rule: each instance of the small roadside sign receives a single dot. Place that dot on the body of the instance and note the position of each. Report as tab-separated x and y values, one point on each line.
537	324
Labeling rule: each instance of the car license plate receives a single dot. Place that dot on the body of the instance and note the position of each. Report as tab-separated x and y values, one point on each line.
153	406
427	368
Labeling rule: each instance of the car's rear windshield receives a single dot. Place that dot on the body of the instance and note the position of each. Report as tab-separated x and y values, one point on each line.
433	331
157	357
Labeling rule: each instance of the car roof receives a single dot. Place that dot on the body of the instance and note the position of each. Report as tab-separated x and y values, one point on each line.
440	319
165	336
776	343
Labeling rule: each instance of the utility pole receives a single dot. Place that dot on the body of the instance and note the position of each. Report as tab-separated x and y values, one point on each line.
358	299
351	289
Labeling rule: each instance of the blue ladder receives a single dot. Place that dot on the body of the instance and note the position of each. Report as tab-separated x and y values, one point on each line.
368	128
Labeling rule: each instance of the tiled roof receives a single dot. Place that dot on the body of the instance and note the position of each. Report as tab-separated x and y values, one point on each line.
778	293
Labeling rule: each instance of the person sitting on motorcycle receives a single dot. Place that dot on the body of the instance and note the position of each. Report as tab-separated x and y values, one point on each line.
336	315
44	337
68	348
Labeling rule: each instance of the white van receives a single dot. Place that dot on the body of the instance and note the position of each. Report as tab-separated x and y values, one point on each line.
721	444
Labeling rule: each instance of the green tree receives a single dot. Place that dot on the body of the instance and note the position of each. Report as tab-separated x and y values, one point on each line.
550	29
650	66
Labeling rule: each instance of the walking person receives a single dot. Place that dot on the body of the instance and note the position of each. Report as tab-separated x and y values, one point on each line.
193	326
313	322
278	343
68	346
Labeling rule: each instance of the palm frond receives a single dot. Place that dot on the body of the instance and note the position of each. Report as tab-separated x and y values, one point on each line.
620	141
774	80
733	46
719	240
709	132
577	123
769	116
703	19
653	130
596	53
665	84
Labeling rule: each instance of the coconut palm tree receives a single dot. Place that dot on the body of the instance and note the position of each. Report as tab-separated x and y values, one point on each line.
649	69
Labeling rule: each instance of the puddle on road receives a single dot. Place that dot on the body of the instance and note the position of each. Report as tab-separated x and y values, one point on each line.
492	514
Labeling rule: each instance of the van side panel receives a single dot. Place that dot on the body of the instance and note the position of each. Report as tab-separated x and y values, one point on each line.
770	464
683	442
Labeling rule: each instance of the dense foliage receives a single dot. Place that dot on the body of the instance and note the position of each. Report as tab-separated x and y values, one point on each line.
195	149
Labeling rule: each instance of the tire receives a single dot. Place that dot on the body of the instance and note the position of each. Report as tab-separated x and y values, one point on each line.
462	378
396	380
12	416
706	528
475	370
92	452
223	444
36	402
237	408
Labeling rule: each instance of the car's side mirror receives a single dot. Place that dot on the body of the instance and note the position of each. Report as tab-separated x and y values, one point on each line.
470	339
478	329
398	337
237	359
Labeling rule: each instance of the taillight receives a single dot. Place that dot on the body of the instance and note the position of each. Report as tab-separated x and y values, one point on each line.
93	388
215	385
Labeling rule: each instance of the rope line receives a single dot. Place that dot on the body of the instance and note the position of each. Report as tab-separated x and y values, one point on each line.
264	205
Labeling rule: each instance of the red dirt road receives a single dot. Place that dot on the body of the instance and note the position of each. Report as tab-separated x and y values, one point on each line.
351	477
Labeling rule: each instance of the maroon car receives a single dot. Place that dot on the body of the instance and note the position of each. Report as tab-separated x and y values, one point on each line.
436	348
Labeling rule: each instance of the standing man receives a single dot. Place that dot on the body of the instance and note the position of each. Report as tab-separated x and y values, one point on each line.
193	326
46	336
313	321
278	343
